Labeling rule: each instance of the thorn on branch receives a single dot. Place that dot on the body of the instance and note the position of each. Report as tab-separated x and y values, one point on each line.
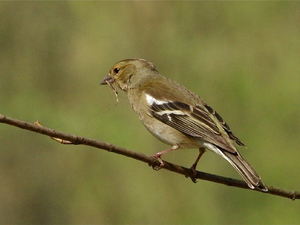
59	140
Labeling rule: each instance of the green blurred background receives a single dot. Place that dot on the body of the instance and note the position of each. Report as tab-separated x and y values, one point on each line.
241	58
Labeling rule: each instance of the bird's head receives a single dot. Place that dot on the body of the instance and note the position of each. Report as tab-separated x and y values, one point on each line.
127	73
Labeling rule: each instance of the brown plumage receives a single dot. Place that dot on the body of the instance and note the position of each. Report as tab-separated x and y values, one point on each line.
177	116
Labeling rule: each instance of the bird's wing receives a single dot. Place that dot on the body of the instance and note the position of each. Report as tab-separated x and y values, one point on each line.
199	121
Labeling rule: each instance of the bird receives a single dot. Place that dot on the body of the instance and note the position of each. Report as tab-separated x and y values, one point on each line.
178	117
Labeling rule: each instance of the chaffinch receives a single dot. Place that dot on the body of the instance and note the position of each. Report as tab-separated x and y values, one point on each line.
177	116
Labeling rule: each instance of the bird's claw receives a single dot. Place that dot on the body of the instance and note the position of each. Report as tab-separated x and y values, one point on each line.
193	174
161	163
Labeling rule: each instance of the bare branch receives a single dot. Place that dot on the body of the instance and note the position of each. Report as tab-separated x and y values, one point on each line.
77	140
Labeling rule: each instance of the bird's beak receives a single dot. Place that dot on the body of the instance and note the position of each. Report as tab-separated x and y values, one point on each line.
107	79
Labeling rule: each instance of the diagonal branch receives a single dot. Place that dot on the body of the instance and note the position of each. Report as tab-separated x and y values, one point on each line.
77	140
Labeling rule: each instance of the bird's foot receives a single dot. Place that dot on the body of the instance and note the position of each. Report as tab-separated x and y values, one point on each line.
193	174
161	163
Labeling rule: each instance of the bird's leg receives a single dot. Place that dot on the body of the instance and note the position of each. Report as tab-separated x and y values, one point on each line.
159	154
194	166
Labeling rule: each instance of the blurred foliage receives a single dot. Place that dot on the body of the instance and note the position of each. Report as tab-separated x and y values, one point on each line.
242	58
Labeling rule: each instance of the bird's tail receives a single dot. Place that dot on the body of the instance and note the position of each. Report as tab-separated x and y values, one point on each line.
250	176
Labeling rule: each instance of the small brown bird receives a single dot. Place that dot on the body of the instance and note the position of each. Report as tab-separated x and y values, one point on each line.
177	116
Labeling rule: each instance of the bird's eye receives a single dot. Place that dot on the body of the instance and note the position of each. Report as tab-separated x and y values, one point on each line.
116	70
